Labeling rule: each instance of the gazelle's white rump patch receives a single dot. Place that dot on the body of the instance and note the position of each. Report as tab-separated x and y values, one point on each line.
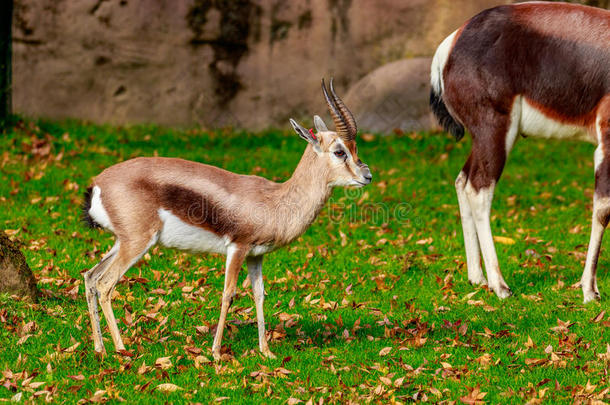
178	234
97	210
438	63
536	124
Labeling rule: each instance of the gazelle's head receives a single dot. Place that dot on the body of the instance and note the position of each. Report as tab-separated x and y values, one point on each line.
336	150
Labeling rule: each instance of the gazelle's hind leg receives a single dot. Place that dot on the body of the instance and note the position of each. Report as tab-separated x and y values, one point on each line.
491	144
601	202
471	243
128	254
91	277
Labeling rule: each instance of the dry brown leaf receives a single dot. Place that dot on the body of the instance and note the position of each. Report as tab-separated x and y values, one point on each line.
163	362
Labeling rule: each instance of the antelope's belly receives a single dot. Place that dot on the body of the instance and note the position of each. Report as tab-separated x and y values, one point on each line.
178	234
537	124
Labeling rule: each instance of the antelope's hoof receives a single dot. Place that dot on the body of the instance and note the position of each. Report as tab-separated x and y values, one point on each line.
267	353
502	291
216	355
591	296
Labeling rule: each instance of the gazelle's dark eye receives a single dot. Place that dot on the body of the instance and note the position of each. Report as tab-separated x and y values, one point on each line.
339	153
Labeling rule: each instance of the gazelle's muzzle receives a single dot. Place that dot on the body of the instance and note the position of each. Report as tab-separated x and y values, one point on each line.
366	173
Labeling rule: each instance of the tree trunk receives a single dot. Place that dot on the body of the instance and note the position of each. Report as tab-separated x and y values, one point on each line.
6	19
15	275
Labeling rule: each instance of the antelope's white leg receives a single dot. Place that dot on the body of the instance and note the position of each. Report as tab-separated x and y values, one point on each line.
128	254
235	258
480	203
471	243
589	279
487	170
91	292
255	272
601	205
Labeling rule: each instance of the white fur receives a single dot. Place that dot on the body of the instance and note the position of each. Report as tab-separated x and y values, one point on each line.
473	252
534	123
259	250
97	210
515	124
598	156
480	203
438	63
178	234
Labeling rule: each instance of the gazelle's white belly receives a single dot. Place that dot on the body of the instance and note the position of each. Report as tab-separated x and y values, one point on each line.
536	124
176	233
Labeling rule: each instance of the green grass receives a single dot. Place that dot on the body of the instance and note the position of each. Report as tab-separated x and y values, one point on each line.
382	267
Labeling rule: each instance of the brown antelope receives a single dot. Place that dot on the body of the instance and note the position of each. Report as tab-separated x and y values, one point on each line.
200	208
536	69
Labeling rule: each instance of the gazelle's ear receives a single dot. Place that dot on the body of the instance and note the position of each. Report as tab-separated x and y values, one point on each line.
307	135
319	124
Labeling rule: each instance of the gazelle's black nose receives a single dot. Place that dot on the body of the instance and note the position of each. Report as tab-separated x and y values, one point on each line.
366	173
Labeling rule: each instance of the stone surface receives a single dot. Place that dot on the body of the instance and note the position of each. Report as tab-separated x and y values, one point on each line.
15	275
247	63
392	96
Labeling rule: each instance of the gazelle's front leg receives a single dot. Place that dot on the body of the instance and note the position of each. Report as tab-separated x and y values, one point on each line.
235	258
471	243
255	271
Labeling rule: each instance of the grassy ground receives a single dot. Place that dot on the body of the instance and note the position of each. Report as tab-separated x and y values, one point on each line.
371	304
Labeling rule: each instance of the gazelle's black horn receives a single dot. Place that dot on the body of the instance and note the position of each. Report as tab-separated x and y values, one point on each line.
340	124
346	115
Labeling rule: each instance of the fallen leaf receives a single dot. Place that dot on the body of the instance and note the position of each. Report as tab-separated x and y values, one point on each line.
504	240
385	351
167	387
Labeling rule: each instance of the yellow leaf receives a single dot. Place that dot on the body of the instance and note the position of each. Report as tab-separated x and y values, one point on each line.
504	240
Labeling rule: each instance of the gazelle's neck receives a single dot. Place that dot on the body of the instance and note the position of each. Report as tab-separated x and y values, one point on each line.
301	197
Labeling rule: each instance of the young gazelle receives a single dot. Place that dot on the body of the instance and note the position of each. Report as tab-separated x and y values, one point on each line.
538	69
192	206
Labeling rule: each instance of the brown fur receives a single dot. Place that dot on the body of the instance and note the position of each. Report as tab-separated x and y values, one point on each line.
556	57
524	49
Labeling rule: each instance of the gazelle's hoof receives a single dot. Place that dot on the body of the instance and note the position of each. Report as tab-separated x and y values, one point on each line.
591	296
216	355
267	353
502	291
